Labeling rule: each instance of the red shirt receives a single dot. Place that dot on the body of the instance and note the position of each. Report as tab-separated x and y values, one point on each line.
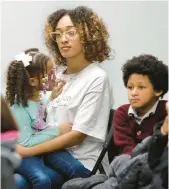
126	128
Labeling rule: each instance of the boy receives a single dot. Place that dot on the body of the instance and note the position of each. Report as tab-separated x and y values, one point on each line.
146	79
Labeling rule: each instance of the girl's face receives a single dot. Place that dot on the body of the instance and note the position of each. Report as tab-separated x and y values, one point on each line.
37	82
67	38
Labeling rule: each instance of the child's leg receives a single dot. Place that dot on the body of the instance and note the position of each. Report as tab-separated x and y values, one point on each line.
56	179
67	164
35	171
21	182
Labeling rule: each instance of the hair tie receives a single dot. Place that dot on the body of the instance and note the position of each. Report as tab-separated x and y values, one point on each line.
25	58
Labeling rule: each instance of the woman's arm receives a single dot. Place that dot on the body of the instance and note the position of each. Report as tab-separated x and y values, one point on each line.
61	142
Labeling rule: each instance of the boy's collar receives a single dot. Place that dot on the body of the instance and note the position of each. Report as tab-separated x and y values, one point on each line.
152	111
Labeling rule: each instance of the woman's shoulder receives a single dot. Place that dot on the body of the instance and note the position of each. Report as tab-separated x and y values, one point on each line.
96	67
96	72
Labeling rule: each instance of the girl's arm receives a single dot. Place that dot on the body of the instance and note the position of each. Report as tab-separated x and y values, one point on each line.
27	137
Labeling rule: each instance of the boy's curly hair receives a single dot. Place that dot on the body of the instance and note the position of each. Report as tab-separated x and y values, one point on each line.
93	34
18	88
148	65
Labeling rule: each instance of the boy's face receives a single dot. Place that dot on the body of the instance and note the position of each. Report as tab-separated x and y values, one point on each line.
141	93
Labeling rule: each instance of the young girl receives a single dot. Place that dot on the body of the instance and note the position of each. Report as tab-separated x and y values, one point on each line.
27	76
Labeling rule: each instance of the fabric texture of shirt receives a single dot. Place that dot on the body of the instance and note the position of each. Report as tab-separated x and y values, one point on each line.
25	118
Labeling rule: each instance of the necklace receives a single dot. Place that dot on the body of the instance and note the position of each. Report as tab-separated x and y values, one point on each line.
39	123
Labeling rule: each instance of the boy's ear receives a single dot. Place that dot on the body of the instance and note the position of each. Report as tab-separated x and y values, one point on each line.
33	82
158	93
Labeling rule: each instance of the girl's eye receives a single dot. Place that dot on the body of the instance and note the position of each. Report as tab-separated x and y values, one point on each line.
141	87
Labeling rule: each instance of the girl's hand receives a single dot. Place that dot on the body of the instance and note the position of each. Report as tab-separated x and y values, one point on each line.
51	79
57	89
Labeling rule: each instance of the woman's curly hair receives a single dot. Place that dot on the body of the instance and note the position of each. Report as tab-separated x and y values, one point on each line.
93	34
18	86
148	65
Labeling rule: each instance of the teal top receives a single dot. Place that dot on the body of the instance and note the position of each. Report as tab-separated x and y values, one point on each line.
26	117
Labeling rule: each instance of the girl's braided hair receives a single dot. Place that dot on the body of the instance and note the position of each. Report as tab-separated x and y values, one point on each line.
18	86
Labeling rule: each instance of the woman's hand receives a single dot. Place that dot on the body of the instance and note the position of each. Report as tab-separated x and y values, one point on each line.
57	89
65	128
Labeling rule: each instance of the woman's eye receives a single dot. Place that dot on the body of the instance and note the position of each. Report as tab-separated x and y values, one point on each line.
71	33
58	34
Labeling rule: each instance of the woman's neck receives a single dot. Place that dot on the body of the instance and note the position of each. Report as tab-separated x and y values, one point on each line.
76	64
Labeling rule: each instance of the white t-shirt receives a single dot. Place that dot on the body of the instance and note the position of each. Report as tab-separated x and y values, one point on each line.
86	102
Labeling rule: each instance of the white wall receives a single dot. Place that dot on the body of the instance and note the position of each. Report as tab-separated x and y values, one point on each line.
135	28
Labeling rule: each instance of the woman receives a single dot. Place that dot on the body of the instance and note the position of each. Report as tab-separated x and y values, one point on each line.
78	39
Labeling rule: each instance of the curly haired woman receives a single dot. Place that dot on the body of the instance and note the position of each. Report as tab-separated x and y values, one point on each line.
78	39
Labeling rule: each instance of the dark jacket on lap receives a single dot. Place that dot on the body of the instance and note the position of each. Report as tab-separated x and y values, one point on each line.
146	168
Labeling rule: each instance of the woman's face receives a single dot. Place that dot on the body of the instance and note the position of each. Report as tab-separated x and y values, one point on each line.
67	37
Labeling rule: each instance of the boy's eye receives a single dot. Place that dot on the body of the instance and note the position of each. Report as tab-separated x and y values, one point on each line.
141	87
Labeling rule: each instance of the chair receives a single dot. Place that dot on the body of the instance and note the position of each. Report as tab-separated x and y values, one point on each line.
107	146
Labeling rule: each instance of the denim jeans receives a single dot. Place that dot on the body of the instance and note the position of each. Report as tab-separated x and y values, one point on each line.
63	162
37	175
21	182
61	166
